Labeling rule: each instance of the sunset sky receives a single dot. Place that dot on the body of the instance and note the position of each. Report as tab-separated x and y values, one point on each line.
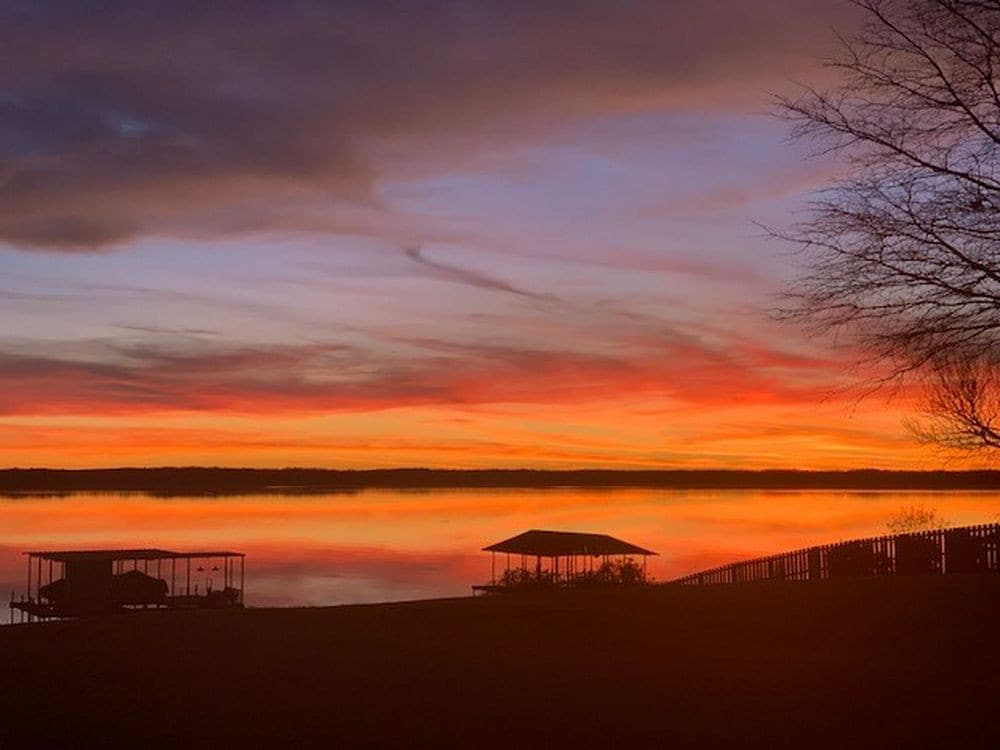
427	233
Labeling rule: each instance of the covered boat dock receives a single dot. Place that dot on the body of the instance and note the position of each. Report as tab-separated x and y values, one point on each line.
72	583
539	558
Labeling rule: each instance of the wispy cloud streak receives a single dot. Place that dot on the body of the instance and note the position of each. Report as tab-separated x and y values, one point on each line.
467	276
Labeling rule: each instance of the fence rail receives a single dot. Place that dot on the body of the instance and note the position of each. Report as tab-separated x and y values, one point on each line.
969	549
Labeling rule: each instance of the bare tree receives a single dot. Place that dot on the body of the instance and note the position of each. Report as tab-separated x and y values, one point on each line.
961	405
902	256
916	518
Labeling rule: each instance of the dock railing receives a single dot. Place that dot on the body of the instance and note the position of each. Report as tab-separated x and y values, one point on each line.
966	549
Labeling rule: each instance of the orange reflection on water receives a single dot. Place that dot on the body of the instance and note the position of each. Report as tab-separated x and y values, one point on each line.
378	545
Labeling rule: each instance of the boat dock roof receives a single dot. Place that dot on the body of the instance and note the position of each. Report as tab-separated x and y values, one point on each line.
560	543
100	555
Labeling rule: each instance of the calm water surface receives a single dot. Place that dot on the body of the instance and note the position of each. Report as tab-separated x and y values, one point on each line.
381	546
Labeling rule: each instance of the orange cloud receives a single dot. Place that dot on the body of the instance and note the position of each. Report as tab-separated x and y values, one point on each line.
324	378
670	400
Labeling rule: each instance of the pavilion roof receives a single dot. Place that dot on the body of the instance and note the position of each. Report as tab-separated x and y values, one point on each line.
111	555
558	543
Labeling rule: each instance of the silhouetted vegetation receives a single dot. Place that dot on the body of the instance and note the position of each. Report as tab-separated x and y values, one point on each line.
520	579
625	572
916	518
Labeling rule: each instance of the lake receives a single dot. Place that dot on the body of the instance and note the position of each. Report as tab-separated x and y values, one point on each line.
368	546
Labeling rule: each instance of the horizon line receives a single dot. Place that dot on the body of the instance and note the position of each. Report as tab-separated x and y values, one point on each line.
209	480
509	469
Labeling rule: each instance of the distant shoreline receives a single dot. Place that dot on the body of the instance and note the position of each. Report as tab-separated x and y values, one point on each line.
207	480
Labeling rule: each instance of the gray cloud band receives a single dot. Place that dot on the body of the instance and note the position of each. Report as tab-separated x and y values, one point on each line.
121	120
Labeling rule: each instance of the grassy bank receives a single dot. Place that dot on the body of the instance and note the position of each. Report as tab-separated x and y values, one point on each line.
849	663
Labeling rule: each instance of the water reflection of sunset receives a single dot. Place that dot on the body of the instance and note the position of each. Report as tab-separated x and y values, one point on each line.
376	545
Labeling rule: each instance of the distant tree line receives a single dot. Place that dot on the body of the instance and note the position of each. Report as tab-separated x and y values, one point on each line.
209	480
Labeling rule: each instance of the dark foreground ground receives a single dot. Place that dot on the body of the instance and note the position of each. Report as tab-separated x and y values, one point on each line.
887	663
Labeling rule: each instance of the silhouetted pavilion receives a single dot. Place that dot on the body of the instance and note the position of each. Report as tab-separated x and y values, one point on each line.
564	558
91	582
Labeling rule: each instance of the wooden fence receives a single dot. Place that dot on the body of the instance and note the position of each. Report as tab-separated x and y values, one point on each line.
969	549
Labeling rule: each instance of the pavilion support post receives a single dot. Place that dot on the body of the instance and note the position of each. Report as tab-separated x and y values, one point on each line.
242	575
29	576
38	583
173	575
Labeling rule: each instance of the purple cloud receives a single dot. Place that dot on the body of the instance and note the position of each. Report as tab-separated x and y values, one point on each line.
120	120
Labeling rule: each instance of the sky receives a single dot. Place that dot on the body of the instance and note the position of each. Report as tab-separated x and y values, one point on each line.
451	234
